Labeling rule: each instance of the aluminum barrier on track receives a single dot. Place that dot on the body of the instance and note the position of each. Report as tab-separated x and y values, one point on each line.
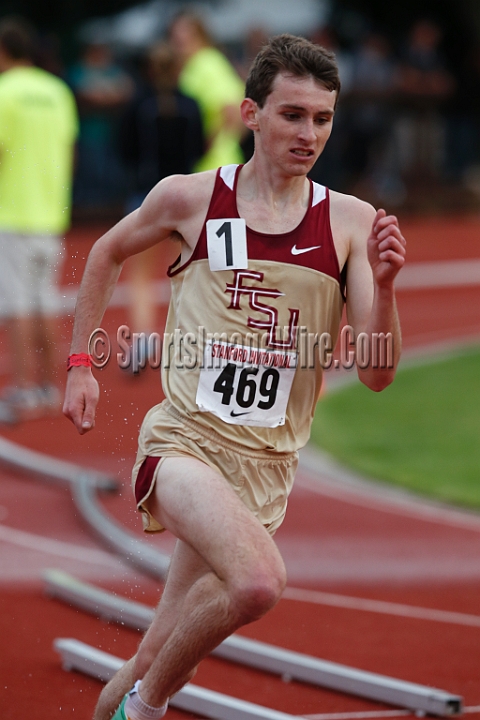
84	485
262	656
51	469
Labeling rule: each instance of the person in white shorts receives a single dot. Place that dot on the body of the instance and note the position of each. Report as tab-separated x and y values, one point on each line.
268	260
38	126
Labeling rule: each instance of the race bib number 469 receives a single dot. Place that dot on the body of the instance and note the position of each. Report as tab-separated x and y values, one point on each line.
246	386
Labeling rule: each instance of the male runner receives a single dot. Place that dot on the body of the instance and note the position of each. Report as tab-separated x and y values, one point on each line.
266	256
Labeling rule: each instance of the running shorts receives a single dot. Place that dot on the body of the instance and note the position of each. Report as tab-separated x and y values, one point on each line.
262	479
29	274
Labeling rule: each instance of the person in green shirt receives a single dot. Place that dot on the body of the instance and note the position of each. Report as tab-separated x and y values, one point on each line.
209	78
38	128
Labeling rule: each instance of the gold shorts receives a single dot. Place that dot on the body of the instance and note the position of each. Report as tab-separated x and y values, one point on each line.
262	479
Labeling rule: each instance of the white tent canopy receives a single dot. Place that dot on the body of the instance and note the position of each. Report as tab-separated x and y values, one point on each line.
228	20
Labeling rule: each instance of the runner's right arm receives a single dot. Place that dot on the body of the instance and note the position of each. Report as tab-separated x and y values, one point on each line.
174	208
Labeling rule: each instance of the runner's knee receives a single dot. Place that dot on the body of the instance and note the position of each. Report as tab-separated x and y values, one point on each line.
260	591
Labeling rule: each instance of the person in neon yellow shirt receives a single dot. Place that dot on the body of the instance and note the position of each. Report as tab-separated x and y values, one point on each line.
209	78
38	128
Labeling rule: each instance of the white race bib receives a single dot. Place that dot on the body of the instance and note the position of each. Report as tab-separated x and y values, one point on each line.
245	386
227	244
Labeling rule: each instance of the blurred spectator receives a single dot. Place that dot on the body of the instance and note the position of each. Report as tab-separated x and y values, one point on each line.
161	135
48	55
423	71
162	130
255	38
370	149
327	37
102	89
463	124
38	127
425	84
209	78
331	167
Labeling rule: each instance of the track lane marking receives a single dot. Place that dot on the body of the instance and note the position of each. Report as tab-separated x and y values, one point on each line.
359	715
54	547
414	276
375	714
439	274
381	606
382	499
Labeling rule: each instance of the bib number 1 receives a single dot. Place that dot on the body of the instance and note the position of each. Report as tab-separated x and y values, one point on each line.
227	244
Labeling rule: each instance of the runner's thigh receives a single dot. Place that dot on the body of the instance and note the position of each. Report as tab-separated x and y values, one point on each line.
199	507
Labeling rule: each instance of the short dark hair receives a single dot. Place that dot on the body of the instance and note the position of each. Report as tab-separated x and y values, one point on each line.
291	55
16	38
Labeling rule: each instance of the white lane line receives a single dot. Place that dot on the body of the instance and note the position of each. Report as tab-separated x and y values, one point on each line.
55	547
424	342
359	715
374	714
343	485
418	275
439	274
380	606
423	349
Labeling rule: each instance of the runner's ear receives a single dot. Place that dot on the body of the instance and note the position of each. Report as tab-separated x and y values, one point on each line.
248	111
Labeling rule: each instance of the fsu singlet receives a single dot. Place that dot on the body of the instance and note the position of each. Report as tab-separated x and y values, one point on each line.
246	320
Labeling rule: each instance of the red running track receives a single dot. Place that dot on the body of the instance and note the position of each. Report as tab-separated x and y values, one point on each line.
340	543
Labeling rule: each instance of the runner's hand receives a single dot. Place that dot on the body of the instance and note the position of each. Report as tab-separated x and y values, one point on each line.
386	248
81	398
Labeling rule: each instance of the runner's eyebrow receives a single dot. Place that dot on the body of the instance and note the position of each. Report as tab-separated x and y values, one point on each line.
289	106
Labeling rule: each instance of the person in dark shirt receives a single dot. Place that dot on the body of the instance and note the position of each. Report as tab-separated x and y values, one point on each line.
162	130
161	135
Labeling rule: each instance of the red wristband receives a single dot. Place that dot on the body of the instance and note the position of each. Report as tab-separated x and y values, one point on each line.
79	359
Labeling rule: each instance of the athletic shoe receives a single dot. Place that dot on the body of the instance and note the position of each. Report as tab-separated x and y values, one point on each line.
120	711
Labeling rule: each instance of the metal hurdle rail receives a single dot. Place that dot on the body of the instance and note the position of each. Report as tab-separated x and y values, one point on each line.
269	658
191	698
84	485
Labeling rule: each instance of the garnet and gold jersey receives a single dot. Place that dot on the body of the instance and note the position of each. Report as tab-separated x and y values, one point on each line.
250	320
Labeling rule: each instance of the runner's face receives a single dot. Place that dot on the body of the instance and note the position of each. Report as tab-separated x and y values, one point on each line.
295	122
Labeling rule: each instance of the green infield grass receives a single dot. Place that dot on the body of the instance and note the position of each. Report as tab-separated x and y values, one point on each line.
421	433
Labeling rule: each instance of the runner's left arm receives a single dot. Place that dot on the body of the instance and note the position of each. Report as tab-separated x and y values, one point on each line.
371	304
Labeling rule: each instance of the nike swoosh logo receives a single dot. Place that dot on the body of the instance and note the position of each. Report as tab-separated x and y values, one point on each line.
234	414
300	251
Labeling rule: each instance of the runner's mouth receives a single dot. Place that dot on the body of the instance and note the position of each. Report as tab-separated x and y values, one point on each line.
302	153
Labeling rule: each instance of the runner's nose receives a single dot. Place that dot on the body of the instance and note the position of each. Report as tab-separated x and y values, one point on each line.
307	131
